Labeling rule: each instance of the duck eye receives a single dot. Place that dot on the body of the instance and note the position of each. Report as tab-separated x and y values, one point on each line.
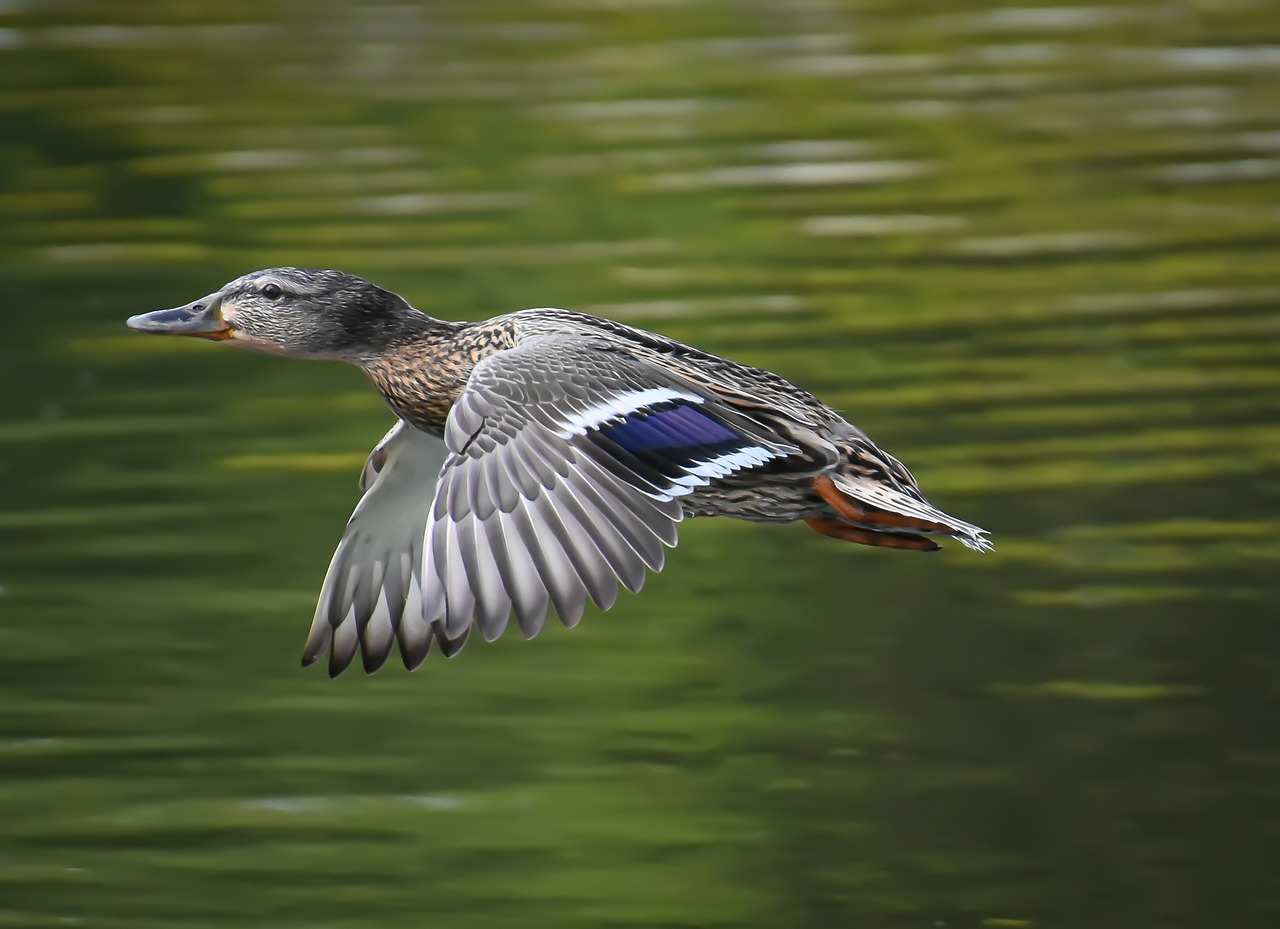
272	291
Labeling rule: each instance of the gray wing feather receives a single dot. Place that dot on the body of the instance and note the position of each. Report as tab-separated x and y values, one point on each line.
416	634
459	600
581	543
379	634
646	525
493	605
623	560
370	597
529	597
451	647
343	645
378	458
567	593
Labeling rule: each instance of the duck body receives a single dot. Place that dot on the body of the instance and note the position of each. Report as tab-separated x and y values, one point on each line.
544	457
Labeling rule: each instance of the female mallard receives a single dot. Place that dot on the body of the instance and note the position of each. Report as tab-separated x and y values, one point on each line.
544	457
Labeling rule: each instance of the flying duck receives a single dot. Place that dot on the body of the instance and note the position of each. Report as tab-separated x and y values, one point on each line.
544	457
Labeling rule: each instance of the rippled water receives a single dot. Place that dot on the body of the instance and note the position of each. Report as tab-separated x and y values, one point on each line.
1032	250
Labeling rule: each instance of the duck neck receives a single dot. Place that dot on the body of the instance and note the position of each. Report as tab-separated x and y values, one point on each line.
421	370
415	327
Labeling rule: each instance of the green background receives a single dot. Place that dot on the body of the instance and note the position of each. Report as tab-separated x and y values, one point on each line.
1031	250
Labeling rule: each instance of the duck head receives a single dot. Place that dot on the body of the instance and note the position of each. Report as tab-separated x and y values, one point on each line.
294	311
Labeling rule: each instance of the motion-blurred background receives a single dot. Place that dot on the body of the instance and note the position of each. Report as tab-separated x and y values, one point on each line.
1030	249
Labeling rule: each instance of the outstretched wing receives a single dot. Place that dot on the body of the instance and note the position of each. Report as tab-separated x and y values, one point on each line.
371	596
558	479
567	461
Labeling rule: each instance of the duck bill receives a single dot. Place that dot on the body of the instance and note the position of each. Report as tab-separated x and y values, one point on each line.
202	319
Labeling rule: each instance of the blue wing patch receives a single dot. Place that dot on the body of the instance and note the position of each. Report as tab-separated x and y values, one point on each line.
671	428
679	444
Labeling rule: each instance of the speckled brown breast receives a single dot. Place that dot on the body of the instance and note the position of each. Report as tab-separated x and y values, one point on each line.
420	380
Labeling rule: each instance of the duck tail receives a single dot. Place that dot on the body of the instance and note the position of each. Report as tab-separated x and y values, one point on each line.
875	513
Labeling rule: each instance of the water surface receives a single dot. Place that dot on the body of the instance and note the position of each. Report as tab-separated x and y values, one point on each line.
1031	250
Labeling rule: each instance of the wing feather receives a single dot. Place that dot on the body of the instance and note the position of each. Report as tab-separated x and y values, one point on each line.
493	606
620	558
415	635
529	596
343	644
378	635
586	546
565	588
459	599
369	599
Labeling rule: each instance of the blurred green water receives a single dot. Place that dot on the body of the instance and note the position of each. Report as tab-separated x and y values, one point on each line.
1032	250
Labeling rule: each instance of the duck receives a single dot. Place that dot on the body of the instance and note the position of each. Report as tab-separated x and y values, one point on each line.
543	458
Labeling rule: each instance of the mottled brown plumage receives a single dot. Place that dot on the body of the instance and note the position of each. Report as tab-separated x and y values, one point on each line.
544	458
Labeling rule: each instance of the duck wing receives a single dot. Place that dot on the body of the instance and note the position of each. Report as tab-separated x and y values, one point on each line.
567	459
370	599
557	480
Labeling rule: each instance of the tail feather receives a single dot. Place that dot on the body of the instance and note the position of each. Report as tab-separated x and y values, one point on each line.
875	505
